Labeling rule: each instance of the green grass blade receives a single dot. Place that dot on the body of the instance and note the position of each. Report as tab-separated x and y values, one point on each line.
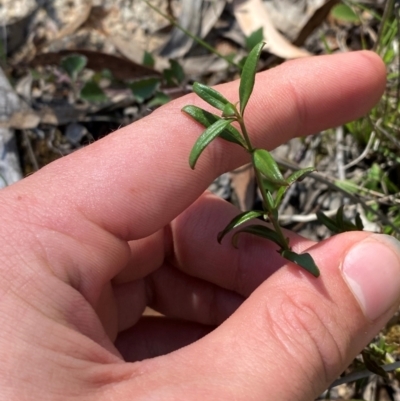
248	76
206	119
210	95
303	260
239	220
212	132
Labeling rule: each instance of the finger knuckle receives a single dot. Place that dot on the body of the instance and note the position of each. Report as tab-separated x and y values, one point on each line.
304	330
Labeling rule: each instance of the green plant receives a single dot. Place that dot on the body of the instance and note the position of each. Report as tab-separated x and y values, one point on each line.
269	178
339	224
376	135
90	91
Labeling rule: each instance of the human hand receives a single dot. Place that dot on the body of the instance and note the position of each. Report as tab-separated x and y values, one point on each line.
93	238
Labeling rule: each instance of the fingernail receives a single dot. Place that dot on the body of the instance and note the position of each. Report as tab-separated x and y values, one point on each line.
371	269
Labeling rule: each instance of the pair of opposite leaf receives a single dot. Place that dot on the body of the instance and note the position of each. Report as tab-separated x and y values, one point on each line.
270	180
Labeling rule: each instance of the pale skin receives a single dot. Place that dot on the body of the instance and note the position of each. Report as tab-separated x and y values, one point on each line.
90	240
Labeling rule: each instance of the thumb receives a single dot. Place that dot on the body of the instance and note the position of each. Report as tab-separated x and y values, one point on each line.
295	334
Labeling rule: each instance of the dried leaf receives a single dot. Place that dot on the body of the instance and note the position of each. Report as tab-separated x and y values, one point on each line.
373	366
252	15
24	119
120	68
244	187
82	14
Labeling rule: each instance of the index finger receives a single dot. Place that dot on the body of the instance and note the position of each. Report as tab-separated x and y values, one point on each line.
136	180
84	208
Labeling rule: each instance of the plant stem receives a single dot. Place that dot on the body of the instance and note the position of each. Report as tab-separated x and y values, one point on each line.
388	12
267	206
270	212
245	133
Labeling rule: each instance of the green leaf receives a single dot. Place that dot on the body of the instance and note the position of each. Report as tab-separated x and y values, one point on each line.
260	231
279	196
296	176
73	65
212	132
254	38
206	119
211	96
340	218
174	75
177	71
239	220
229	111
345	225
300	174
324	40
348	226
144	89
269	186
148	59
328	222
271	203
92	92
248	76
359	223
344	13
388	57
347	186
159	99
106	73
265	163
242	62
303	260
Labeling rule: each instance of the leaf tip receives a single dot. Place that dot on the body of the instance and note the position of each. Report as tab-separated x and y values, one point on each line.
303	260
235	240
192	163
